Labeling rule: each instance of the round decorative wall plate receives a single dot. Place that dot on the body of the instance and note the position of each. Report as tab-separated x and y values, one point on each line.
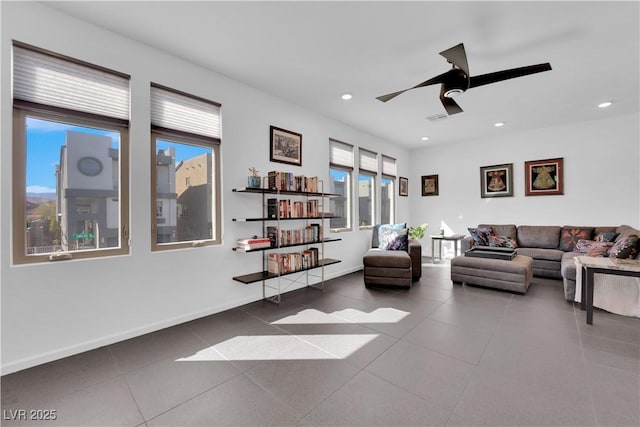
90	166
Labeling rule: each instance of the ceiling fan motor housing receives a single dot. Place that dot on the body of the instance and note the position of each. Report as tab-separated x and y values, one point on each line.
455	83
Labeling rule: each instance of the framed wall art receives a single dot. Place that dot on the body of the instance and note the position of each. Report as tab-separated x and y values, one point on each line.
286	146
496	181
430	185
403	187
544	177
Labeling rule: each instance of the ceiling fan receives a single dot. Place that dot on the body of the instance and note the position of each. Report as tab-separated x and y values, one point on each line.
457	80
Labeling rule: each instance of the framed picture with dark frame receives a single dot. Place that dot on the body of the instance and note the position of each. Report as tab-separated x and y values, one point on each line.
285	147
496	181
544	177
403	187
430	185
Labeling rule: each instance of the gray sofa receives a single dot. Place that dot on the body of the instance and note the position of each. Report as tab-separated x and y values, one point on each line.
542	244
392	268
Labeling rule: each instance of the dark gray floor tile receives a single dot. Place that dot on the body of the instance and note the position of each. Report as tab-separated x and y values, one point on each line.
616	354
463	343
237	402
468	315
107	404
170	382
149	348
268	311
619	329
369	401
55	379
301	385
616	395
425	373
522	400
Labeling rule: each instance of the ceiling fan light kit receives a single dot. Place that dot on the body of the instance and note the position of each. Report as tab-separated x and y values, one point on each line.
457	80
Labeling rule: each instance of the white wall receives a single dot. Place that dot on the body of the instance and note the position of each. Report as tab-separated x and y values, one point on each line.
52	310
601	177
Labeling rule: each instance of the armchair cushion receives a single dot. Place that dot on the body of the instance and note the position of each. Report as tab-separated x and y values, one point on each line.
393	239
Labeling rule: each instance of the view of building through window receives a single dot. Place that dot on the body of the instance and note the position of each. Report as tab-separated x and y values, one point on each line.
72	187
340	206
184	175
366	205
386	193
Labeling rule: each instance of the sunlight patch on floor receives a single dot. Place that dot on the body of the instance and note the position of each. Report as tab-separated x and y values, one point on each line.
349	315
283	347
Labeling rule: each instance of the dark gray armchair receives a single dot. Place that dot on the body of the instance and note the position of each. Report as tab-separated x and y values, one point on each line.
392	268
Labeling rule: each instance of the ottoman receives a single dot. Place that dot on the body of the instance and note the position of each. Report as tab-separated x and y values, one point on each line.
510	275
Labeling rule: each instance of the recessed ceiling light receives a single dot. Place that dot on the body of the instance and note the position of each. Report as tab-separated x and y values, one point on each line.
346	96
425	138
604	104
499	124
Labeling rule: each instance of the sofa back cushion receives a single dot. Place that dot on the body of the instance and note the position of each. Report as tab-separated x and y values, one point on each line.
570	235
505	230
539	236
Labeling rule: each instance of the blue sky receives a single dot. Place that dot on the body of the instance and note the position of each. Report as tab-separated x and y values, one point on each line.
44	139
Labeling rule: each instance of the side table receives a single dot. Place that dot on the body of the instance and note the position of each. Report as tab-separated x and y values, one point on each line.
455	238
593	265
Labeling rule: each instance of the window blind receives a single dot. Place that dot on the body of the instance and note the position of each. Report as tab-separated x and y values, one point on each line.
389	166
340	154
55	81
368	161
182	112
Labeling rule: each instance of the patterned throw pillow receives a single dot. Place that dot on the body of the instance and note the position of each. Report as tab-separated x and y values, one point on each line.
570	236
481	235
593	247
606	236
392	239
502	242
625	248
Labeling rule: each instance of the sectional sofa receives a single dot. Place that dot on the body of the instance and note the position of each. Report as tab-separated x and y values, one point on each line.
552	248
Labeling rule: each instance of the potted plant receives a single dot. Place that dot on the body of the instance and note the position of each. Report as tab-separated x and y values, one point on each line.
254	180
417	232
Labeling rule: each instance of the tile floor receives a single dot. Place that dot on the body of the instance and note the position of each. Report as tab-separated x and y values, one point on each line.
436	355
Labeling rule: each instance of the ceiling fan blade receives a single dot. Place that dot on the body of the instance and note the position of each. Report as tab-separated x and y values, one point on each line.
431	81
449	104
457	56
498	76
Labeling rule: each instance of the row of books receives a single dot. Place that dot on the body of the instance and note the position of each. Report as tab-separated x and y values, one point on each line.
243	245
287	181
285	208
281	263
310	233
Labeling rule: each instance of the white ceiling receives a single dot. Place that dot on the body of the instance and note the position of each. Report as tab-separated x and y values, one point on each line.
311	52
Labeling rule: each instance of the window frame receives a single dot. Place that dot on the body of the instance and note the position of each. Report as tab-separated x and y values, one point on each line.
22	110
216	195
392	194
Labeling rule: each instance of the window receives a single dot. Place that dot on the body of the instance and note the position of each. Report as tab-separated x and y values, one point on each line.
340	169
367	187
70	158
185	179
387	190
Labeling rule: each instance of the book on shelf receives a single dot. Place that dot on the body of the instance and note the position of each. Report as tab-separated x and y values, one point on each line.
243	245
281	263
287	181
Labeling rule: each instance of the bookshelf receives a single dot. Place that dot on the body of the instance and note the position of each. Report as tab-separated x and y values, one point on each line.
283	209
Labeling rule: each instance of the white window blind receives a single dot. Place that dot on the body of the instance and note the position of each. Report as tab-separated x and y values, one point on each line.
172	110
340	154
54	81
368	161
389	166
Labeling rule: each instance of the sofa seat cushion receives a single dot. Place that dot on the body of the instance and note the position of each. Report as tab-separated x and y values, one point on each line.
387	259
540	253
538	236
